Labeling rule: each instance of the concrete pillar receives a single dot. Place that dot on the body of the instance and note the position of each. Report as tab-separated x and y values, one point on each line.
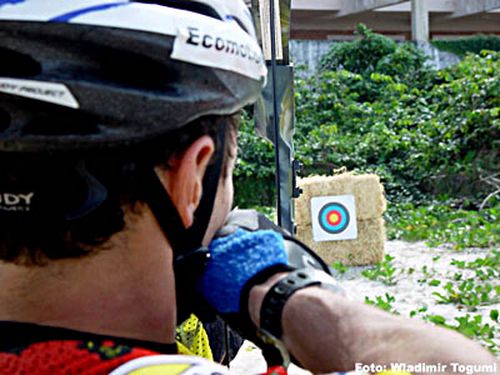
419	21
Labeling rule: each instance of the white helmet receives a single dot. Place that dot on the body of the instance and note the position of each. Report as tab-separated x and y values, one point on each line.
121	66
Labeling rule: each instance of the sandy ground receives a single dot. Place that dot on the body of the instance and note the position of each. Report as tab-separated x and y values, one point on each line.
411	291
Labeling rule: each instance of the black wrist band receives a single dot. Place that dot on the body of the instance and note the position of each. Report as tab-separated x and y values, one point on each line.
276	298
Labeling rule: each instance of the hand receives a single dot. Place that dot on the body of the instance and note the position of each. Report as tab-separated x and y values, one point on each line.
235	260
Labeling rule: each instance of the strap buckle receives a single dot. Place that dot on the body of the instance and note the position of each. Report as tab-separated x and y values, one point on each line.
269	339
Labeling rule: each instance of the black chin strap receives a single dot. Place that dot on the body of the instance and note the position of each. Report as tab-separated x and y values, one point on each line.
190	257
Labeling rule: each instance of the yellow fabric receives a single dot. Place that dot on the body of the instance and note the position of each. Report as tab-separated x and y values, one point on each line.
166	369
181	349
192	339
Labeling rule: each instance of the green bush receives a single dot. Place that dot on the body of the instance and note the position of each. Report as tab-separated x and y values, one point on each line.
361	56
439	136
474	44
254	181
376	54
427	133
439	223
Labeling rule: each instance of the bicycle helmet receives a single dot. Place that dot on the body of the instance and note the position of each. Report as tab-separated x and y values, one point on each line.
93	74
118	69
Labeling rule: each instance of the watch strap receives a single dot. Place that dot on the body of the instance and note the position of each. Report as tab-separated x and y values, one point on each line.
276	298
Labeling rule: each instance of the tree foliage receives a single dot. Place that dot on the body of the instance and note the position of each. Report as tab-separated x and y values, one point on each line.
254	174
375	106
474	44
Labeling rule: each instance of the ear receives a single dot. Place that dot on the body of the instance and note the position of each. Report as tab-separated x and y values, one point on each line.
184	180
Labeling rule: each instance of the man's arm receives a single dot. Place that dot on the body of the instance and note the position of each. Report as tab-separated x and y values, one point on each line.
326	332
323	330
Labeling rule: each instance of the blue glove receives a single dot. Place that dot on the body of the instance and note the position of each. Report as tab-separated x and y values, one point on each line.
235	259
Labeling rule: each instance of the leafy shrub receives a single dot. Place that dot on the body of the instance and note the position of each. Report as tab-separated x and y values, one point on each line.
383	271
383	303
436	137
253	177
439	223
485	268
474	44
376	54
426	133
468	294
361	56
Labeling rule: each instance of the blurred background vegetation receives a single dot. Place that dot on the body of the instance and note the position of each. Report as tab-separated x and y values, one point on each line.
432	136
474	44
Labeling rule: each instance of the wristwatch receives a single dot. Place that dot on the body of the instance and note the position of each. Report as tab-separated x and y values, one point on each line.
271	330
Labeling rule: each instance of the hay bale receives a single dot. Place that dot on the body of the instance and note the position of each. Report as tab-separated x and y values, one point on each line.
368	248
367	190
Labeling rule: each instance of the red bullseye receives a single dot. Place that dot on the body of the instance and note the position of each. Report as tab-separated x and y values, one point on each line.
334	218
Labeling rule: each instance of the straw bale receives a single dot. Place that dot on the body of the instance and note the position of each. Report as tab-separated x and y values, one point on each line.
367	190
368	248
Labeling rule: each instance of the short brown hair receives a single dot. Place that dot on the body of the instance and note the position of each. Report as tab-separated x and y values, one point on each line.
39	238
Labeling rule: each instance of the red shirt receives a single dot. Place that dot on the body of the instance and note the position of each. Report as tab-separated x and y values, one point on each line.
30	349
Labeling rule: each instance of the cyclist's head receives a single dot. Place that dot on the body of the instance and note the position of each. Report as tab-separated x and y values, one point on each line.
95	96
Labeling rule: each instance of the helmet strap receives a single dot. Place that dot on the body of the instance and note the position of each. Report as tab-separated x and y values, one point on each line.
190	256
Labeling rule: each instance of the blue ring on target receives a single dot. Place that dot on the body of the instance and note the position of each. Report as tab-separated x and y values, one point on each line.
341	213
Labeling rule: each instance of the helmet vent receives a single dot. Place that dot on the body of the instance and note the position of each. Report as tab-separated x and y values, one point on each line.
190	6
139	71
61	124
16	64
4	120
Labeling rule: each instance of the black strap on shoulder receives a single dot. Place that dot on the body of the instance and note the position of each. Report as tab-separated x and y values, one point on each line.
190	256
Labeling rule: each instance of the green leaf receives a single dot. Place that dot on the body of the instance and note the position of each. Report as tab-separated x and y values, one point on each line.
494	315
435	282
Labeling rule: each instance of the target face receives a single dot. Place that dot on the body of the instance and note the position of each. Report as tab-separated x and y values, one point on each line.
333	218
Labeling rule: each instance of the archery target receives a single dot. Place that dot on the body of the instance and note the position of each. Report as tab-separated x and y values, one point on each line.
334	218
